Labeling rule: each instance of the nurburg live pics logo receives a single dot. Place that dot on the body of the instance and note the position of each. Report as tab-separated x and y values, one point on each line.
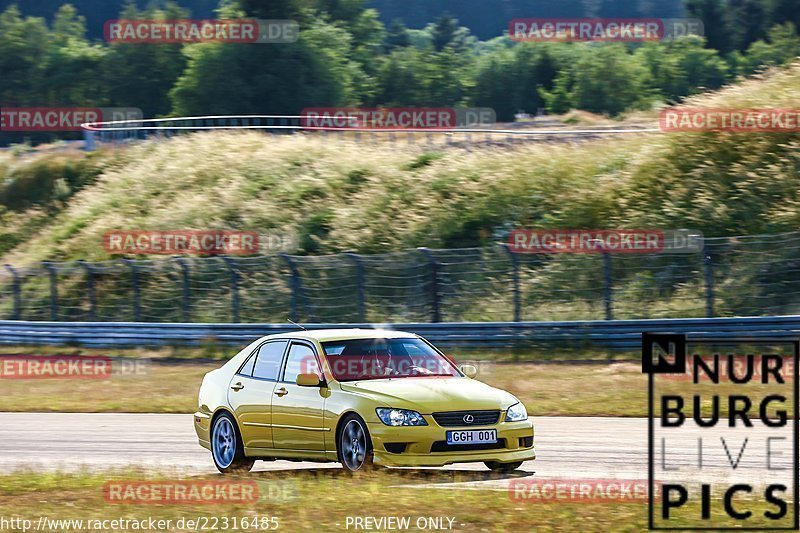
722	444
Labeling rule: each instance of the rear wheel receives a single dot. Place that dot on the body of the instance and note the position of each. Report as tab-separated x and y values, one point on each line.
355	445
226	446
503	468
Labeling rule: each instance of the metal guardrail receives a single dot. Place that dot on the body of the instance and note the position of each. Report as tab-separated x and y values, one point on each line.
605	334
157	128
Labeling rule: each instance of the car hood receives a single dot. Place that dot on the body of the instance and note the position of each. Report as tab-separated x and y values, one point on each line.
431	395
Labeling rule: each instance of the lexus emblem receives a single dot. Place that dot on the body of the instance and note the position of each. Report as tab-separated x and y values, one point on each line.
469	419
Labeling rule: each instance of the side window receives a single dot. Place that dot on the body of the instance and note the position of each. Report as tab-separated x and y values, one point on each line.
268	360
301	360
247	367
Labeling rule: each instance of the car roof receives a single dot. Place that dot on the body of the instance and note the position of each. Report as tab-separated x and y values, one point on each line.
326	335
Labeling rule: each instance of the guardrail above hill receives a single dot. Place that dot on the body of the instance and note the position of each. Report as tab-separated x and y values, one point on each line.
603	334
162	128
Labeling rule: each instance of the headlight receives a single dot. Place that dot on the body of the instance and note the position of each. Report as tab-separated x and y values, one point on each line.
516	413
400	417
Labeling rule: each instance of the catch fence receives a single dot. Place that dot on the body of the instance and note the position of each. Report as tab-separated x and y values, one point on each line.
731	276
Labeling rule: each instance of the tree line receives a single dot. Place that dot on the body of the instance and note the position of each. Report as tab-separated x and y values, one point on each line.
345	56
485	18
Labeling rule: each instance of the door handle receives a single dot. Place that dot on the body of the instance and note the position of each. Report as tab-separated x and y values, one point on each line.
237	387
281	392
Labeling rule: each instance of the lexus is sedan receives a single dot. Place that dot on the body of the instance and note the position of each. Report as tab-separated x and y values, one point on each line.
360	397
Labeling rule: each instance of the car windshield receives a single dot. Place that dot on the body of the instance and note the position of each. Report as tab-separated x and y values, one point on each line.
358	359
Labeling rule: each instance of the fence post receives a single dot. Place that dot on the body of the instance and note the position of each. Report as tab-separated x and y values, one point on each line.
51	270
435	295
297	290
359	266
294	282
234	288
708	271
16	292
185	300
137	310
88	140
90	288
607	295
515	282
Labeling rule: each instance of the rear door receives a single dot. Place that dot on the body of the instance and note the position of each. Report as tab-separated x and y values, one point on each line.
250	393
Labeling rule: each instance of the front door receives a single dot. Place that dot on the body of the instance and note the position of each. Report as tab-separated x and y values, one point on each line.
297	412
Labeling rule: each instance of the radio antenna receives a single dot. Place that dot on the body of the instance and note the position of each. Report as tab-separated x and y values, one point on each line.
296	324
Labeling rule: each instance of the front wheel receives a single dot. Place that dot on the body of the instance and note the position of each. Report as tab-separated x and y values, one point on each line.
227	448
503	468
355	445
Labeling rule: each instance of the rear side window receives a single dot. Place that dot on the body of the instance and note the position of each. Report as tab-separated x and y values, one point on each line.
247	367
268	360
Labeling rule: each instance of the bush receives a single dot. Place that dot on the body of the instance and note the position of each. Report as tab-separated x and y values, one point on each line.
45	181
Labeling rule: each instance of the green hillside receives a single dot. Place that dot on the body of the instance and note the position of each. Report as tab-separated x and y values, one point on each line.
337	195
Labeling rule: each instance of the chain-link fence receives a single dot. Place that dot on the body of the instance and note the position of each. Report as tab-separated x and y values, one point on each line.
734	276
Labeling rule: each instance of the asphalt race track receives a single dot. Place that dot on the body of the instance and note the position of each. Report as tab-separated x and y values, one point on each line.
567	447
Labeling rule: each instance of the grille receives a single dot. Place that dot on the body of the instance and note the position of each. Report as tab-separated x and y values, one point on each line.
442	446
456	418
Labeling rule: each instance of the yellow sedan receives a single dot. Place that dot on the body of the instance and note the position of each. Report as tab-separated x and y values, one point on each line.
360	397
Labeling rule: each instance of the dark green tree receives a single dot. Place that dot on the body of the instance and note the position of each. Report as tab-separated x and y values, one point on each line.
397	36
494	81
444	32
141	75
783	11
266	79
70	62
682	67
781	46
747	20
400	78
715	22
23	49
608	80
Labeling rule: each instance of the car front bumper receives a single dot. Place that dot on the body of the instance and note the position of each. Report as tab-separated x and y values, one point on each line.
426	445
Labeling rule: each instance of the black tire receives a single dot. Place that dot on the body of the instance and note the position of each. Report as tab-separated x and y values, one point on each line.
227	448
354	445
502	468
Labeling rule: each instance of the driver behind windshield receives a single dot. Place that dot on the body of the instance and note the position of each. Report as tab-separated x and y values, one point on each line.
359	359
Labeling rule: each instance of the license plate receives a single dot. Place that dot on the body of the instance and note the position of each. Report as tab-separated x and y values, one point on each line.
472	436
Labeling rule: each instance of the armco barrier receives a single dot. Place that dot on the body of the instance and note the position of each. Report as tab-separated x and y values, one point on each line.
608	334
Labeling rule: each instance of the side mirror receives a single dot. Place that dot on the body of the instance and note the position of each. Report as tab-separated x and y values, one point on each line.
468	370
308	380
